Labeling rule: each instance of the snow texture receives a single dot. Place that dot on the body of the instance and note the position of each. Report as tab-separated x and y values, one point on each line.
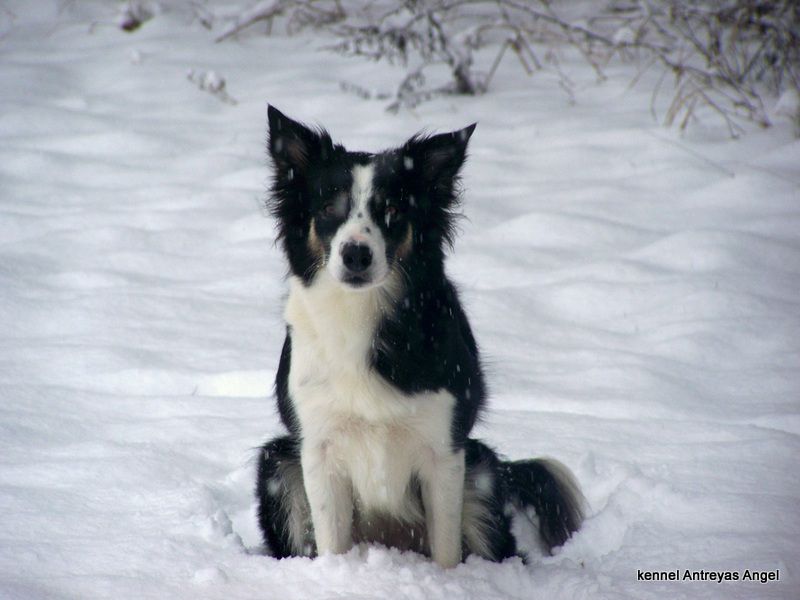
636	295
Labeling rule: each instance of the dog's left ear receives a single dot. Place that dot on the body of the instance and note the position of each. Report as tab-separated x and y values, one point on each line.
437	157
292	145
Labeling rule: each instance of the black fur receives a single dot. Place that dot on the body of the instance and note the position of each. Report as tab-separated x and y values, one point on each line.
482	459
552	495
273	511
308	169
429	322
424	343
285	407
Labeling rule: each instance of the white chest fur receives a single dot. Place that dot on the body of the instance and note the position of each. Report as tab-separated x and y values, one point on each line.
362	428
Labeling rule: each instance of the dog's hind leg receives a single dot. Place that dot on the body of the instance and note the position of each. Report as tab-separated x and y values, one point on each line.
283	511
542	491
486	522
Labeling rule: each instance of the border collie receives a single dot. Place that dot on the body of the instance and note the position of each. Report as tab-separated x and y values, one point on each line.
380	381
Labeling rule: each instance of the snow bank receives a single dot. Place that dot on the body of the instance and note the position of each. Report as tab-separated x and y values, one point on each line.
635	294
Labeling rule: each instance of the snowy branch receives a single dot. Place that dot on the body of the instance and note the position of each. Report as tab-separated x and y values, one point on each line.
724	55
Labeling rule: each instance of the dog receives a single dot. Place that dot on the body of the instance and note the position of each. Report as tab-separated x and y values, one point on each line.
380	381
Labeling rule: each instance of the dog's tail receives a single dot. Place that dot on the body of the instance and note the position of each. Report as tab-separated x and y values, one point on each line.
550	490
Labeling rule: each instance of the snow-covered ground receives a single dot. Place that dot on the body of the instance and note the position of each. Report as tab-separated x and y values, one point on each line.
636	294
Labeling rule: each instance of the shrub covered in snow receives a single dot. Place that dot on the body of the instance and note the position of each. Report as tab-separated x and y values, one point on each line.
732	56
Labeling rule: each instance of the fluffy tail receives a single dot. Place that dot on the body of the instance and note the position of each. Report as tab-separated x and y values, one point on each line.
549	488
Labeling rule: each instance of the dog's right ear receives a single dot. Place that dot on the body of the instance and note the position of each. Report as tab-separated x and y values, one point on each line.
291	144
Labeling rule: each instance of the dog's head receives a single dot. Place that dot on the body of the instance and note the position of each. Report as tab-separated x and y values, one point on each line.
361	215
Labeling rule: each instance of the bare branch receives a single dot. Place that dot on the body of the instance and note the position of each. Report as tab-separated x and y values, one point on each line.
723	55
263	11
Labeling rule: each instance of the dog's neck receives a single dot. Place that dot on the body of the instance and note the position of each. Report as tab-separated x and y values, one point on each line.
331	315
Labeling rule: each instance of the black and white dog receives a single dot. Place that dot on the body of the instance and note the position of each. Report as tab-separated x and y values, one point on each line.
380	381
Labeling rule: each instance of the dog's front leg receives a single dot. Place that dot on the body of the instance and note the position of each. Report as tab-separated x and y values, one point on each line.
443	499
330	497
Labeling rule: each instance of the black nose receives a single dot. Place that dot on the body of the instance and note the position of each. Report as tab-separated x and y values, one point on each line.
356	257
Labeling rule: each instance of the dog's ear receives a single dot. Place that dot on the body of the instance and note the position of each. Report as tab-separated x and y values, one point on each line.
438	158
292	145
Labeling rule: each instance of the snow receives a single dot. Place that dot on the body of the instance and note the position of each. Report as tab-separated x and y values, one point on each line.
635	293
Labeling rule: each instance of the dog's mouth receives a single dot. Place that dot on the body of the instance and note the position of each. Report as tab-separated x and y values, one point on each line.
361	281
356	281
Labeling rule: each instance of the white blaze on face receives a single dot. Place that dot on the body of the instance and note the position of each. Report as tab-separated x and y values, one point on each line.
359	228
362	191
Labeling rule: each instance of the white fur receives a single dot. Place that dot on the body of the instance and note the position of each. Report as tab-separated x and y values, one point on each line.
362	439
291	477
361	229
476	516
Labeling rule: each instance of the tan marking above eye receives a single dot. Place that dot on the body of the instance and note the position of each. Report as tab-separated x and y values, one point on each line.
314	243
404	249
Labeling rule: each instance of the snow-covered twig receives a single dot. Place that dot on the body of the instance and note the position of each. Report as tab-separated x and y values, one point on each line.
263	11
133	14
211	82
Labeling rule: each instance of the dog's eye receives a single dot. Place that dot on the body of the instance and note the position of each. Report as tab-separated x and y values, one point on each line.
389	214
